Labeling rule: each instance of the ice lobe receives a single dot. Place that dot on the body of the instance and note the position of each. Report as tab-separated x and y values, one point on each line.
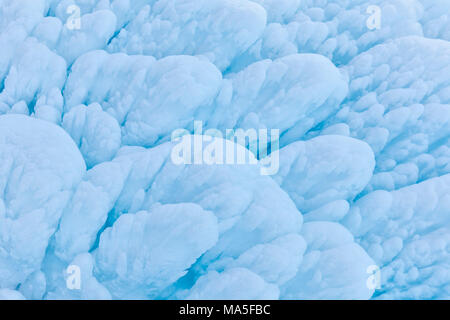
331	251
276	261
406	232
325	169
193	27
39	169
145	252
292	94
148	98
238	283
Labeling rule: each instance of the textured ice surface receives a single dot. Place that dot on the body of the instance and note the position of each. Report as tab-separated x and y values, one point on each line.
399	104
94	206
406	232
193	27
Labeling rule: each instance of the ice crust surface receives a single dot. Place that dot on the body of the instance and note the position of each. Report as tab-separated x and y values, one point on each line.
88	180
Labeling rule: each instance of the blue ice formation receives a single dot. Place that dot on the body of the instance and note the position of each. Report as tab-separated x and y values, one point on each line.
92	205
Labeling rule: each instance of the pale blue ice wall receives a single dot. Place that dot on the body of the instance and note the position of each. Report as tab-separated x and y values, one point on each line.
93	205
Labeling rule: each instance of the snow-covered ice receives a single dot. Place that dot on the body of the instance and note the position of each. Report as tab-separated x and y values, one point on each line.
94	206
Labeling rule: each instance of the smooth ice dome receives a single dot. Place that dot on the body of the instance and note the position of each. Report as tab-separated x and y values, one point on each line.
348	101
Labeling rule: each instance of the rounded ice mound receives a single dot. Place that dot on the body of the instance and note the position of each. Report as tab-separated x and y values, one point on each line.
40	166
325	169
334	266
143	253
233	284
